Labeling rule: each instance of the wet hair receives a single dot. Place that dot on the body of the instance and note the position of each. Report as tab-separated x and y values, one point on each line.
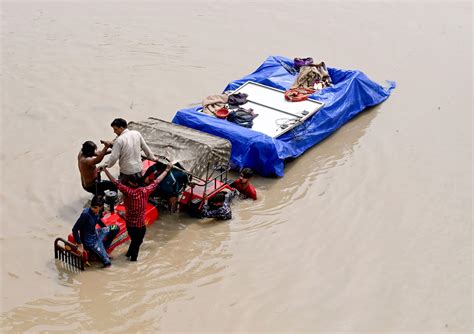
97	200
88	148
217	198
247	173
136	179
119	123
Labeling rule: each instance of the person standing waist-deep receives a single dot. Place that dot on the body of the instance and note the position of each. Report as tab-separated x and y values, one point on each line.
135	205
127	149
243	185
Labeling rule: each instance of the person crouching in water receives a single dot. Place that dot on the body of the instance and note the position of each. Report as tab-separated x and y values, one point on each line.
243	185
91	239
135	200
218	206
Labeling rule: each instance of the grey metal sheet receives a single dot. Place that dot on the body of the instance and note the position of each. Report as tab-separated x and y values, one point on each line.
192	148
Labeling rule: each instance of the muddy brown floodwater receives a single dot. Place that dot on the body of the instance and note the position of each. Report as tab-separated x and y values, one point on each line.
370	230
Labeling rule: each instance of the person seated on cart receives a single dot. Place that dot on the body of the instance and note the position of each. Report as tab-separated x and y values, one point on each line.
243	185
171	186
218	206
91	239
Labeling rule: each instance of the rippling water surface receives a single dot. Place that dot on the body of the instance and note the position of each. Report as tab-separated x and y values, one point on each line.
368	231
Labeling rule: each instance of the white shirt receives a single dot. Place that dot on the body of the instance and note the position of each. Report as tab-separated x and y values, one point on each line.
127	149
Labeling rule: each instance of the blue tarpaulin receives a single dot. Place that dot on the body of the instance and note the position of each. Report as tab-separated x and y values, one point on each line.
352	92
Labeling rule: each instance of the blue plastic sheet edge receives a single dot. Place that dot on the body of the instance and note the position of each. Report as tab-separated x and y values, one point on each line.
352	92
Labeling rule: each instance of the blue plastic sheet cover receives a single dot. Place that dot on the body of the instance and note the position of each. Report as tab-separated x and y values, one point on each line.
352	92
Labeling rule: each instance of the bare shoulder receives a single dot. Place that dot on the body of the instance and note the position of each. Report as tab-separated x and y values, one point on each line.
80	157
89	161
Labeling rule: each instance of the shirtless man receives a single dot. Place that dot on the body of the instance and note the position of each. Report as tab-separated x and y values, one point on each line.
87	160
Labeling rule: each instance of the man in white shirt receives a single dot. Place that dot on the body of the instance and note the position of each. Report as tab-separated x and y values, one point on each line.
127	149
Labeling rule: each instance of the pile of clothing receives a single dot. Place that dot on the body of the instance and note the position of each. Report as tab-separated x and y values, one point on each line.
311	78
229	107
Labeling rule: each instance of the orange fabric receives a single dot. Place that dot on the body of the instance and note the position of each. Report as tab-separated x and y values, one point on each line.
298	94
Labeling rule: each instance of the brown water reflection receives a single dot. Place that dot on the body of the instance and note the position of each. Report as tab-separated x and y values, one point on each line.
178	252
276	196
368	231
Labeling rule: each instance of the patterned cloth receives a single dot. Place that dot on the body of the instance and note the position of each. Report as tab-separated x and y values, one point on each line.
312	74
224	212
135	202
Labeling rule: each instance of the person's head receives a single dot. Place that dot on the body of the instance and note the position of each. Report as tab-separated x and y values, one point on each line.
88	148
245	175
118	124
135	181
217	200
97	203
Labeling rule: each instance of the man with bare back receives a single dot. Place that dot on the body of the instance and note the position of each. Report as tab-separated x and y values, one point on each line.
87	160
